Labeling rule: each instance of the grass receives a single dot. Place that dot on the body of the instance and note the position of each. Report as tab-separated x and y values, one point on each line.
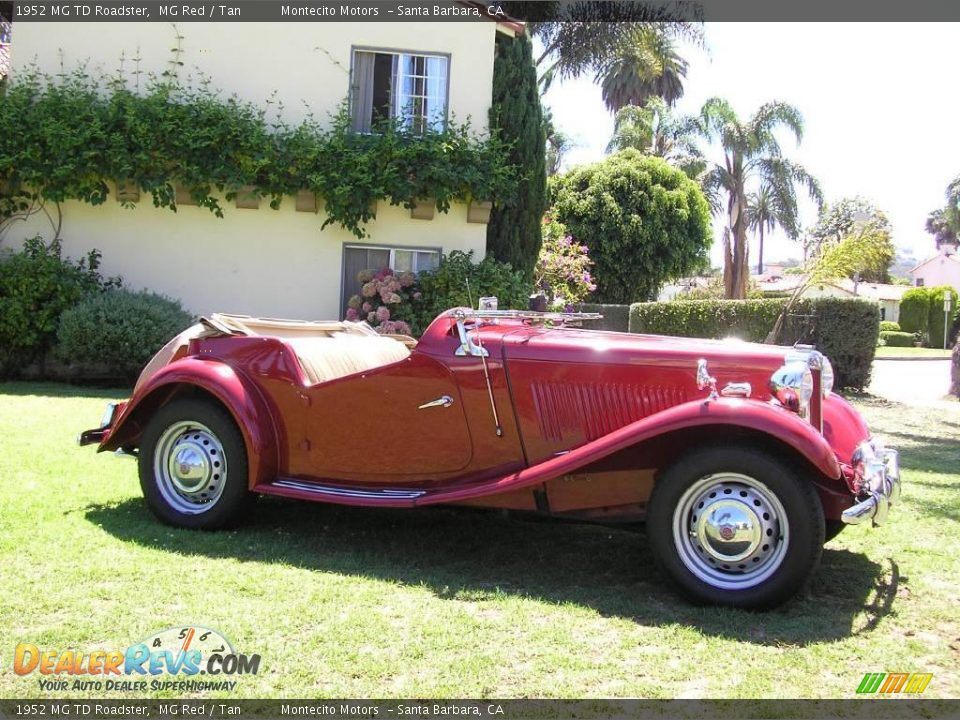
911	352
453	603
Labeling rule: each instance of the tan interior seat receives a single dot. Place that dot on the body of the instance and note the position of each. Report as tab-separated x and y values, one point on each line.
327	358
326	350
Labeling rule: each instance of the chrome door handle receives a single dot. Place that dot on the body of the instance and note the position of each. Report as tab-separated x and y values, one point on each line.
444	401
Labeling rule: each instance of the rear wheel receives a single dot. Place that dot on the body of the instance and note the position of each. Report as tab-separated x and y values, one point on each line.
735	526
193	465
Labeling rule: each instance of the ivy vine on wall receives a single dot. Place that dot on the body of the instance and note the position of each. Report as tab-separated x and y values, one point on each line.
65	136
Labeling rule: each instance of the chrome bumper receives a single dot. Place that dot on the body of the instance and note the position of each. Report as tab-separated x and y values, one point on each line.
879	471
89	437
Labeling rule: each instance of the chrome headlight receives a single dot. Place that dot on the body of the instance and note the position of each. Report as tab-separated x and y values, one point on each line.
826	377
792	385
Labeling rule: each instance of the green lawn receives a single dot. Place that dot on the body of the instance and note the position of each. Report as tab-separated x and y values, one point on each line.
911	352
452	603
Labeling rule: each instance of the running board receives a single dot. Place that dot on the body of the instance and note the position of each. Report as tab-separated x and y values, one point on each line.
341	495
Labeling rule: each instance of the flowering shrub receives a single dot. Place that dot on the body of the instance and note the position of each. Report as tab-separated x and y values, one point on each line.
562	272
383	300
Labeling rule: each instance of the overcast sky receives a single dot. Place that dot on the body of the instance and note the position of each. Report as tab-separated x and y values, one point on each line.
880	102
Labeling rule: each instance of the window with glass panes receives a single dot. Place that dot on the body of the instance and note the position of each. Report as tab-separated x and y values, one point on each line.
357	258
410	87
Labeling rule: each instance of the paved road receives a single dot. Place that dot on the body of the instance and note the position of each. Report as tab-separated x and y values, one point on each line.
913	381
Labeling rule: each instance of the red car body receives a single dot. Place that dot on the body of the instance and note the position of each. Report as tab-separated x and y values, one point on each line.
508	411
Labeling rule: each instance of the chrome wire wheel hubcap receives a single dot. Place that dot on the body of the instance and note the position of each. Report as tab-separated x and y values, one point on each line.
731	531
190	467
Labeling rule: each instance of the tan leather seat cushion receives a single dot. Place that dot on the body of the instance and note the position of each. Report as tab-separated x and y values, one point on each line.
327	358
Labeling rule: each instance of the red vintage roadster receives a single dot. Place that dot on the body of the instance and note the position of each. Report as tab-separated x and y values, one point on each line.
738	457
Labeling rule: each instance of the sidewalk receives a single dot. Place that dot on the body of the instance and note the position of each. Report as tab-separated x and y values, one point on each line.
911	382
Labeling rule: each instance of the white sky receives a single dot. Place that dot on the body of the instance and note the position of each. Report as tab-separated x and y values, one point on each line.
880	103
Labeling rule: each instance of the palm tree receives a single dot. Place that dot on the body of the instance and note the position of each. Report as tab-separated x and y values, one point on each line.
751	154
579	41
655	130
651	67
762	215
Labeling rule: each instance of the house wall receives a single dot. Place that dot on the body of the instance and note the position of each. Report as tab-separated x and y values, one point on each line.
890	308
939	271
260	262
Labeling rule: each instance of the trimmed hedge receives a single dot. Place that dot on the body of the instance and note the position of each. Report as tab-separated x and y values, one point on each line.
921	310
749	320
845	330
615	317
914	313
118	331
896	339
889	326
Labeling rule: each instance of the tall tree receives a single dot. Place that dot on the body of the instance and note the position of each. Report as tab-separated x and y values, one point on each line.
514	230
654	130
752	155
855	216
643	221
558	143
649	68
762	216
941	228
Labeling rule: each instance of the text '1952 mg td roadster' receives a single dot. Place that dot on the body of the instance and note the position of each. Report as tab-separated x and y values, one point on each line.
738	457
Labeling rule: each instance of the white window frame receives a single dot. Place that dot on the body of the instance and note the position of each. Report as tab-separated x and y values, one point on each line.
397	111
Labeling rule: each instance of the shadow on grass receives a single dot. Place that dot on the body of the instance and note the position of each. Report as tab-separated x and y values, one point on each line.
465	554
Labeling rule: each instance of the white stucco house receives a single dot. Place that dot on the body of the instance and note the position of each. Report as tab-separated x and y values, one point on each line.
940	269
888	297
263	261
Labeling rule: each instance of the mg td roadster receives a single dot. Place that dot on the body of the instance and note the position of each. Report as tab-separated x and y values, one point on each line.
739	458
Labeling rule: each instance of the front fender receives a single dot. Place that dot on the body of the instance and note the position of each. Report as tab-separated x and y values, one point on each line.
776	422
235	391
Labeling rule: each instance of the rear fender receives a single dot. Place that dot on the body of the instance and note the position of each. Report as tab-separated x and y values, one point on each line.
234	390
777	423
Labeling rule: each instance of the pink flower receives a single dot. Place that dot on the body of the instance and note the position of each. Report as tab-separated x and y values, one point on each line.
394	299
364	276
352	315
417	295
371	318
366	307
407	279
383	313
369	289
354	302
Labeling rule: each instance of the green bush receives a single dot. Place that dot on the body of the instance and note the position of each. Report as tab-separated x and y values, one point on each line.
460	282
615	317
935	314
36	285
643	222
749	320
915	310
118	331
892	338
889	326
845	330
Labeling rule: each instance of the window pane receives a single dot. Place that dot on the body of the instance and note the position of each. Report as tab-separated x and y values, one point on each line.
402	260
427	260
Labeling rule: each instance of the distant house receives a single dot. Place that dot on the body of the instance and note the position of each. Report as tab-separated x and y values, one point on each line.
940	269
887	296
278	262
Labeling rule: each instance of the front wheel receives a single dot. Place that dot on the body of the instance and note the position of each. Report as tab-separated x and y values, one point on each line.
193	465
735	526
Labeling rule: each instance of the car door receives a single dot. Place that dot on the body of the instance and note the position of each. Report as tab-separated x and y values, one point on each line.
397	423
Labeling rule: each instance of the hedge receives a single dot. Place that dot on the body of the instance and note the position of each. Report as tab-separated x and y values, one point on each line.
845	330
896	339
889	326
615	317
118	331
935	314
914	314
748	320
